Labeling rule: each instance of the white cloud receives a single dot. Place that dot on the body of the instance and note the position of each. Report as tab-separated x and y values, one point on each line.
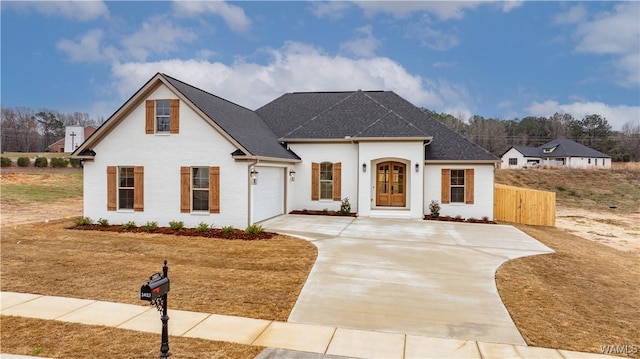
88	48
511	4
616	115
615	33
233	15
332	10
73	10
574	15
144	42
430	37
364	44
294	67
444	10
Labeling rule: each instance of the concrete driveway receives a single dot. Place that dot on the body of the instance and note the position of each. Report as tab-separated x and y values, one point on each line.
408	276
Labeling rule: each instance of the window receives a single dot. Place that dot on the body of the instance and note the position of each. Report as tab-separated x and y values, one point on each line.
513	161
125	188
163	110
457	186
326	180
200	188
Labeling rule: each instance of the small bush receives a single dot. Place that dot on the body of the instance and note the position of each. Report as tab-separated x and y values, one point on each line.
345	207
129	225
103	222
202	227
150	226
83	221
254	229
176	225
74	162
5	161
41	162
228	230
434	207
59	162
23	161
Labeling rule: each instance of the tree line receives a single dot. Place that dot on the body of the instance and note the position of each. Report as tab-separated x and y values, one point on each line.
23	129
497	135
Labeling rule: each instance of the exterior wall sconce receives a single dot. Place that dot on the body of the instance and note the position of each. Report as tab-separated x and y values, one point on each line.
364	167
417	167
254	176
292	175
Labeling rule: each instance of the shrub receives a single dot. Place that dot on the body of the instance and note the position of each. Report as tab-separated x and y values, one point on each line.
176	225
23	161
202	227
103	222
254	229
129	225
345	207
228	230
41	162
58	162
74	162
83	221
5	161
150	226
434	207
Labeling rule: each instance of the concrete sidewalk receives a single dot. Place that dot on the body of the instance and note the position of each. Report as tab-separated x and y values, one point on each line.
305	339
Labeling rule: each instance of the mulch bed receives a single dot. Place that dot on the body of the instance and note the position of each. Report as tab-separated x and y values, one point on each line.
458	219
188	232
323	213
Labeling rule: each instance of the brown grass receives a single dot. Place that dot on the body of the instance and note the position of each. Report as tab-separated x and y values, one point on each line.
595	189
580	298
67	340
258	279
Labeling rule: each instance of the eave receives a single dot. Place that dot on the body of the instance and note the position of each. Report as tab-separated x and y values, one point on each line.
356	139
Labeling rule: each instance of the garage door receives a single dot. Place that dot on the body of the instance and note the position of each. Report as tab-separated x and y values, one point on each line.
268	194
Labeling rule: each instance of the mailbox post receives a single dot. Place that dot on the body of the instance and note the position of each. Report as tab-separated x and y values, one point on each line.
155	291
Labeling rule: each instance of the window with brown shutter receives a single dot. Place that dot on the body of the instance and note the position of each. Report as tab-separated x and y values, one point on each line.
469	186
445	186
150	117
185	189
174	124
138	188
337	181
214	189
200	189
315	181
162	116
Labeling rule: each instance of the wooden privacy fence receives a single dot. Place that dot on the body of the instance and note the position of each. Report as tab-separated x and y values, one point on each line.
525	206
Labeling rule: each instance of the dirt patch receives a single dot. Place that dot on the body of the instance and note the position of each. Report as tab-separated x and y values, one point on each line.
617	230
16	214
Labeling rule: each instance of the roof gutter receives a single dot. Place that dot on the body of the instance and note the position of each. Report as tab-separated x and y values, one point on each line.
462	161
266	159
355	139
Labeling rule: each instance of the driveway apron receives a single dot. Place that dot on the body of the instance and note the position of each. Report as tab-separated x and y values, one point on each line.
408	276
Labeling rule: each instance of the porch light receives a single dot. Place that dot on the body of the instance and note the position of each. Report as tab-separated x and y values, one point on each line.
292	175
254	176
417	167
364	167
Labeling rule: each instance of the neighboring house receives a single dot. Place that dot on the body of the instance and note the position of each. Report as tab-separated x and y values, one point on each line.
175	152
74	136
557	153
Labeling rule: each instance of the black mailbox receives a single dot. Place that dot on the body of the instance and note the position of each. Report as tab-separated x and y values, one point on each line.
156	287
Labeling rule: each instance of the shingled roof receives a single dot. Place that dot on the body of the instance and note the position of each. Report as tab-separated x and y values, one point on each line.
242	124
560	148
365	114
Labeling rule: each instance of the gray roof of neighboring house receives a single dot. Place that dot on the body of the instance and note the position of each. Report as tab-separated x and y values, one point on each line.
365	114
569	148
563	148
242	124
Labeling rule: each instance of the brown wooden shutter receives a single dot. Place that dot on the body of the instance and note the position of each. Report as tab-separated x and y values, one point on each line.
138	188
315	181
214	189
468	185
174	117
446	186
185	189
150	117
337	181
112	180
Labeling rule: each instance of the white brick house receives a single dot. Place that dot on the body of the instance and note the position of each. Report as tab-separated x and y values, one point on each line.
175	152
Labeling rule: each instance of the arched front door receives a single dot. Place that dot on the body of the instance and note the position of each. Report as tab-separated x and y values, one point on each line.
391	184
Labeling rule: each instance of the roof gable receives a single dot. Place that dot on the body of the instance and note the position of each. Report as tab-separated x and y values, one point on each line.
563	147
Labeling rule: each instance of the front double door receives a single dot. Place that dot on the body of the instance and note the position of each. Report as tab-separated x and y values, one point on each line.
391	184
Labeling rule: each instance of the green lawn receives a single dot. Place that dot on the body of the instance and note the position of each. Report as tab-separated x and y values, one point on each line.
24	188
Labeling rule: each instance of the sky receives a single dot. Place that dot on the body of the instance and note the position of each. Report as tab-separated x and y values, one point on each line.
494	59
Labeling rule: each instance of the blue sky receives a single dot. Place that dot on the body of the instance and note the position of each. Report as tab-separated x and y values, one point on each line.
494	59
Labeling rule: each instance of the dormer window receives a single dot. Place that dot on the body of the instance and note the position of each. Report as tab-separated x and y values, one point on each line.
549	150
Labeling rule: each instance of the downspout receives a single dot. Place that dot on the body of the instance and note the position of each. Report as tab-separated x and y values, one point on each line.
249	193
424	169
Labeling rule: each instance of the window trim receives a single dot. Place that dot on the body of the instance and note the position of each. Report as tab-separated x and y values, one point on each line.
119	188
329	171
194	189
157	117
463	186
513	161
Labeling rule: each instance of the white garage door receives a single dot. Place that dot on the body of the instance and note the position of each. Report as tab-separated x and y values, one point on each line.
268	194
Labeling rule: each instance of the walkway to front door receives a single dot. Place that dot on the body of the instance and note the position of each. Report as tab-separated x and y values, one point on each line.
408	276
391	184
